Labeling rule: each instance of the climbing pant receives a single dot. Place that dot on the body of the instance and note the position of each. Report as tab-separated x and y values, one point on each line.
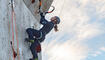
35	48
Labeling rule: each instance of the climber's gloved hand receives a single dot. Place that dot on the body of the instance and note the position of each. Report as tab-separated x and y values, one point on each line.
42	14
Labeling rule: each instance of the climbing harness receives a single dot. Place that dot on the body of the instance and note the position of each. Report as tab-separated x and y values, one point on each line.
40	36
14	33
40	4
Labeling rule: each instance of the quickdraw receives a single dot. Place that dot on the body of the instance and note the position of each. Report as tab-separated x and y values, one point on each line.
40	4
14	53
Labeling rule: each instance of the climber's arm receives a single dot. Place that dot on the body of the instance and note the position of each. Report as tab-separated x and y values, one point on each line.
43	20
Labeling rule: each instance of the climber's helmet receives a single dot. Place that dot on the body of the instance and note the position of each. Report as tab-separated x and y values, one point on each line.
55	19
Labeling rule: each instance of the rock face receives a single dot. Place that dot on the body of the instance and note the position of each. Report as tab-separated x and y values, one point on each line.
25	17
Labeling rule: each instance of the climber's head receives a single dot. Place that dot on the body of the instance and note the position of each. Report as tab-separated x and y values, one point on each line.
55	20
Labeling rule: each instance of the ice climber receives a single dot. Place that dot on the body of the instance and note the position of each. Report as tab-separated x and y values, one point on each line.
38	36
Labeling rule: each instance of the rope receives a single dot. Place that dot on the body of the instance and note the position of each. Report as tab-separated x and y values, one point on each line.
13	34
14	20
17	39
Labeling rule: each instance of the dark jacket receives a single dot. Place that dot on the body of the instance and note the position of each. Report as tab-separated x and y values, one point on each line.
47	26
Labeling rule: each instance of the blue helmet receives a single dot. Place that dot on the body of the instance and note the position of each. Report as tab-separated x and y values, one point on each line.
58	19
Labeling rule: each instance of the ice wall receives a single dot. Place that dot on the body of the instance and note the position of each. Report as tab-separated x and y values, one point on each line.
26	16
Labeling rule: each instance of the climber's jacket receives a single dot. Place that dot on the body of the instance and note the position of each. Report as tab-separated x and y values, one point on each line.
40	34
47	25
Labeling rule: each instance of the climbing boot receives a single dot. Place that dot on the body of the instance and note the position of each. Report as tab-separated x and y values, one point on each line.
36	59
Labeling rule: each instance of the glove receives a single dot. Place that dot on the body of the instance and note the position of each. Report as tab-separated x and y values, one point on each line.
41	14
